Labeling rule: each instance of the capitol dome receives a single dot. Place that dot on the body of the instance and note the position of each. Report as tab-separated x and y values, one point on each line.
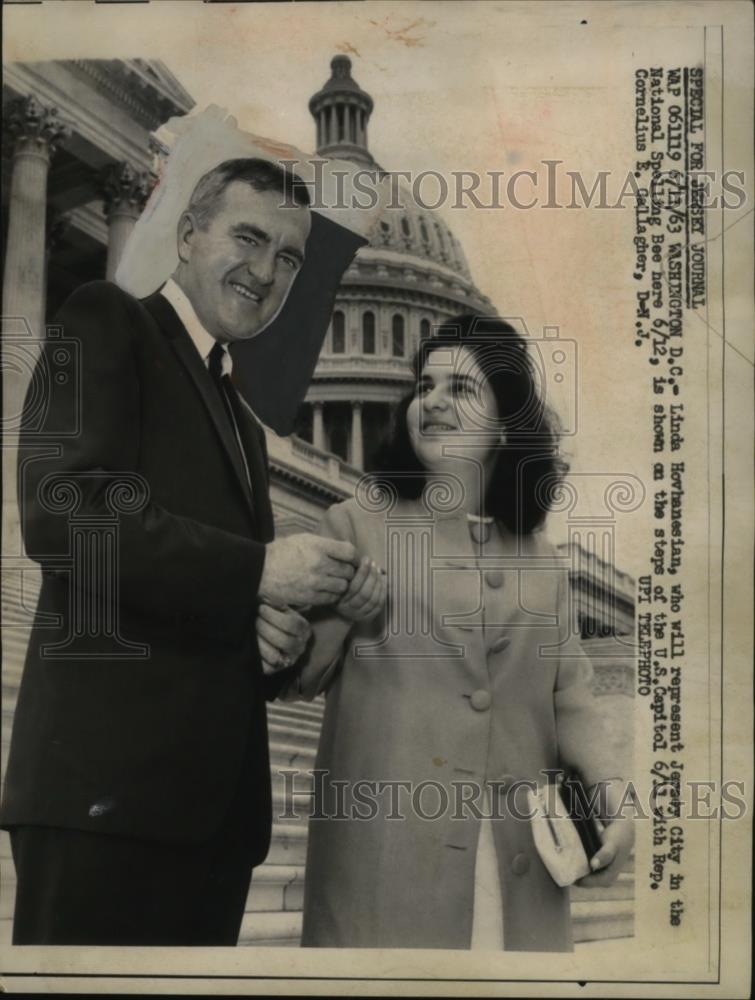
412	276
416	231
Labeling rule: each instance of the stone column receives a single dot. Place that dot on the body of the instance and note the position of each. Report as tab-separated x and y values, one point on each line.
318	427
33	130
357	443
332	125
125	193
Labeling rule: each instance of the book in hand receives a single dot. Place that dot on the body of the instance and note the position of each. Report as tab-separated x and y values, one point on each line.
565	829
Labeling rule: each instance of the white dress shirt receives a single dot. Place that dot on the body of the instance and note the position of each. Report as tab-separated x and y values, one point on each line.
202	340
204	343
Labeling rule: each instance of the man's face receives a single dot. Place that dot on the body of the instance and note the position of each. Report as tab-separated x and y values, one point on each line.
237	270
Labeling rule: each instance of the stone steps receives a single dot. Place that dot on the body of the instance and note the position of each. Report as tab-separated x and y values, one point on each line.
288	845
305	737
602	919
291	754
275	888
304	711
271	929
623	888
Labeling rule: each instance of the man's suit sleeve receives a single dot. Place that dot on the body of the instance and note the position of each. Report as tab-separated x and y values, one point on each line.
313	674
171	567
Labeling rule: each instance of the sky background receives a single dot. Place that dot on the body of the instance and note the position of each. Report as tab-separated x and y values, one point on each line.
457	86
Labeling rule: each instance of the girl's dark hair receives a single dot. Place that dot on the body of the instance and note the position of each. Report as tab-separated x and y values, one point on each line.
528	468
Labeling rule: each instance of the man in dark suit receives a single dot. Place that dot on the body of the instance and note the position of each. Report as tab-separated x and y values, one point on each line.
138	785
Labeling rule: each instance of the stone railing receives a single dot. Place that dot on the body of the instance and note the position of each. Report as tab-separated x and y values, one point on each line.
349	366
323	469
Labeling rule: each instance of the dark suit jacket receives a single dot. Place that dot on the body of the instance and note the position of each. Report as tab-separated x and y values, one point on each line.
142	746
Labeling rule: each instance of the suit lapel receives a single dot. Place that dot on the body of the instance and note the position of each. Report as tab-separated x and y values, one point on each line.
166	318
253	439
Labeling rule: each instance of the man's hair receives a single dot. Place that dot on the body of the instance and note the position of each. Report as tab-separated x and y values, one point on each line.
262	175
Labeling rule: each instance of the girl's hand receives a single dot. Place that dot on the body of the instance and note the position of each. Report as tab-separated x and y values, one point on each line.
366	594
607	863
282	636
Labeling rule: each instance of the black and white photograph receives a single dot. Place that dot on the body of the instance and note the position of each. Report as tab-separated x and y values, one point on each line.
377	497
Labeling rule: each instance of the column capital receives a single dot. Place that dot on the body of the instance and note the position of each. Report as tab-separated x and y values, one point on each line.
126	190
28	120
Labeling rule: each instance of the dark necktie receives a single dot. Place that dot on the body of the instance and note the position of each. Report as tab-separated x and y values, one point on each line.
224	387
215	365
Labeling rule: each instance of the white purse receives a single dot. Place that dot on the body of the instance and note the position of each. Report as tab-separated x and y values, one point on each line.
565	838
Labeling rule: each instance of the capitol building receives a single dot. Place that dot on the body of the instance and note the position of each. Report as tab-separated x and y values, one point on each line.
412	276
77	172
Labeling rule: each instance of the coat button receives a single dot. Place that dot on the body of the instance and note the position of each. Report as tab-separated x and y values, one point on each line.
480	700
500	644
494	578
480	532
520	864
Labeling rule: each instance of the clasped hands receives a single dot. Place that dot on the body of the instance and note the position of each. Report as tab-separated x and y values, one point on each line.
305	570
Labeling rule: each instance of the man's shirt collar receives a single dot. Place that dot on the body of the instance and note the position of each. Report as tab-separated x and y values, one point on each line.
202	340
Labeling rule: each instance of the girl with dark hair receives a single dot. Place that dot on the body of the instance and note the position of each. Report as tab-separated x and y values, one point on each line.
445	700
525	467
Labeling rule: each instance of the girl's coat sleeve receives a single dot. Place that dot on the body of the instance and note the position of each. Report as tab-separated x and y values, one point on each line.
581	730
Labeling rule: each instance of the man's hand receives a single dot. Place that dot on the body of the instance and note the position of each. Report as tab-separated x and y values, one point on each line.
282	635
366	594
307	569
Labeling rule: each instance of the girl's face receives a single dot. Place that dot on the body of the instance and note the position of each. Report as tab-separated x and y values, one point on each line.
453	407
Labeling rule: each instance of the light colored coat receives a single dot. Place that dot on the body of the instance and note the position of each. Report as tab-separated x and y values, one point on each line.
470	676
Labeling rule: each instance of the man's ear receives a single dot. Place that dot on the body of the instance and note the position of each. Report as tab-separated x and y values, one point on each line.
187	228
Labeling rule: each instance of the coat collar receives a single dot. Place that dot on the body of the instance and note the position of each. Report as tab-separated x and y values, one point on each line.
533	547
203	340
